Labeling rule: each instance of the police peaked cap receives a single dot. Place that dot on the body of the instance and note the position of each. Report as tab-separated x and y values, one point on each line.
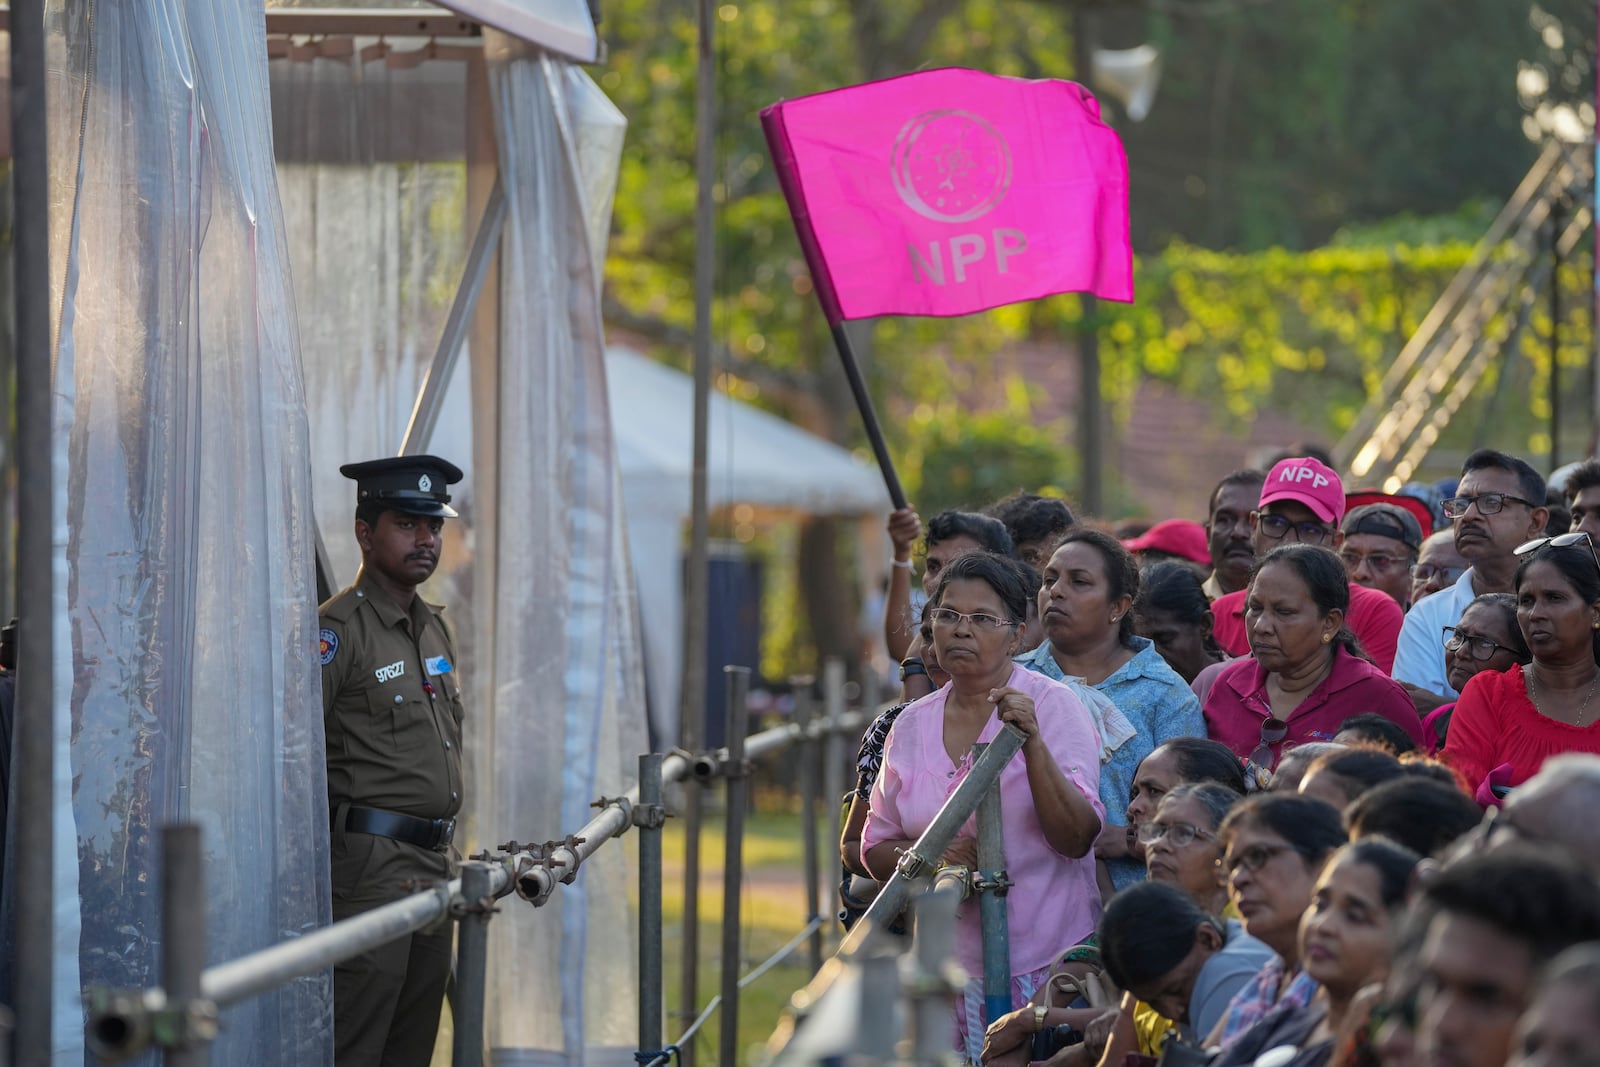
412	484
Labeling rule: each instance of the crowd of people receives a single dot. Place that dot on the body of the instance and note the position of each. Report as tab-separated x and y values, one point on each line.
1309	782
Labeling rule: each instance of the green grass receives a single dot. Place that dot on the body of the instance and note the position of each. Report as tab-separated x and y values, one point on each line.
772	911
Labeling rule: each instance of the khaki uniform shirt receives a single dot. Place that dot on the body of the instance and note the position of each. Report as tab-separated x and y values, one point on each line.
391	702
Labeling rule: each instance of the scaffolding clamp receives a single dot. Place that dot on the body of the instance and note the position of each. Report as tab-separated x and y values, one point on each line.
630	814
910	864
997	882
124	1023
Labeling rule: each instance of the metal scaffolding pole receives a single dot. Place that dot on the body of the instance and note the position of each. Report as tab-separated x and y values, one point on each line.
992	885
183	938
34	737
472	964
737	775
650	969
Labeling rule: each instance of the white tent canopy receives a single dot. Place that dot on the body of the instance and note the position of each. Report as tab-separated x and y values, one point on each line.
753	458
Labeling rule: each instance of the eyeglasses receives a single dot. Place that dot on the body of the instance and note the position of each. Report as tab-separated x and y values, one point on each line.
1380	562
1488	504
1566	540
948	617
1178	834
1272	732
1426	572
1481	648
1276	526
1253	858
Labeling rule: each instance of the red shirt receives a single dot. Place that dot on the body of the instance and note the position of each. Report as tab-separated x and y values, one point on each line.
1373	617
1237	704
1496	723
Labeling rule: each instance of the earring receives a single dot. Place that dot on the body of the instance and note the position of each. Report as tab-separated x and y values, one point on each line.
1326	638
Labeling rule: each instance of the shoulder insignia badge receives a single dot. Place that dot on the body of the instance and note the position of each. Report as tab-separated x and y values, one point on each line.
328	646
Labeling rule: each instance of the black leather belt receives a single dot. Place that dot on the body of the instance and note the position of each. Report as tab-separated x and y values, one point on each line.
433	834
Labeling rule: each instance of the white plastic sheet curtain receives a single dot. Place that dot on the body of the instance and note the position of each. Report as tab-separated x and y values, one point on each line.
560	713
194	682
370	143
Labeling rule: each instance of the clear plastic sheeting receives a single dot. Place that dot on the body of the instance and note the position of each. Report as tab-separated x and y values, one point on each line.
194	682
370	165
559	685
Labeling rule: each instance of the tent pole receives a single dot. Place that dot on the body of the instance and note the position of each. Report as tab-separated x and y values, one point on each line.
692	702
33	876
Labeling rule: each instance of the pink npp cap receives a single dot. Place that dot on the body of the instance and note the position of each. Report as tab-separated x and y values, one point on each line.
1309	482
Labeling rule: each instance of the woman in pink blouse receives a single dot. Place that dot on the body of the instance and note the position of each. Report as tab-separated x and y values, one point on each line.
1048	793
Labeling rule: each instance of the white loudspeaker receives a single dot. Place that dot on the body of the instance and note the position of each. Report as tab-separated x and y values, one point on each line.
1128	74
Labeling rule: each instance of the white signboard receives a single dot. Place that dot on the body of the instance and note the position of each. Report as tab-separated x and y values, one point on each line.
560	25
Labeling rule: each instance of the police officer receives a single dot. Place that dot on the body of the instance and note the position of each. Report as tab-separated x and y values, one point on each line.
391	704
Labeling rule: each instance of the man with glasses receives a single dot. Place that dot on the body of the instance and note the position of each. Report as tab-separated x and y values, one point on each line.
1498	505
1303	500
1439	565
1380	548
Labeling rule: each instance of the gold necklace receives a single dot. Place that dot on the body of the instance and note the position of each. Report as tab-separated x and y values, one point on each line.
1583	708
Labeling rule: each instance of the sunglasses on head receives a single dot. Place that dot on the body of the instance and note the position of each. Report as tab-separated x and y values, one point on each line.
1566	540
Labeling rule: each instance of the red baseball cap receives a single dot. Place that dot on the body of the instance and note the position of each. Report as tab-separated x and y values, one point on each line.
1183	538
1419	508
1306	481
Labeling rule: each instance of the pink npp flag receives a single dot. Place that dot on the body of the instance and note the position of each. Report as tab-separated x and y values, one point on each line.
952	191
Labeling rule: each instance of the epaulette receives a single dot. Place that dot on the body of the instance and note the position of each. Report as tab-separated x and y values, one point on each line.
340	606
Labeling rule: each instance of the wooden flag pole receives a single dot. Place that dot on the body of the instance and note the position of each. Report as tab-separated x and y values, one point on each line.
869	415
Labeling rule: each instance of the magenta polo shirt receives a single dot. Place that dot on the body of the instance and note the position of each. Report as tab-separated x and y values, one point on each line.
1237	704
1055	902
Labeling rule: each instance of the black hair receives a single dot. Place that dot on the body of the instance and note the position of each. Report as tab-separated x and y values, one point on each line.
1577	565
1035	582
1218	800
1394	862
1146	931
1377	730
990	533
1577	966
1416	765
1246	476
1364	767
1001	573
1530	893
1303	450
1173	588
1325	578
1529	480
1031	517
1122	573
1559	521
1200	759
1585	475
369	511
1506	604
1422	814
1310	826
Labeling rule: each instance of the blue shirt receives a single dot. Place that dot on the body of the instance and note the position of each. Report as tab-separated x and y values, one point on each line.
1159	705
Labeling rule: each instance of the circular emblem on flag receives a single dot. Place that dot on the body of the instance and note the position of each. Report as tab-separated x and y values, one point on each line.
950	166
424	483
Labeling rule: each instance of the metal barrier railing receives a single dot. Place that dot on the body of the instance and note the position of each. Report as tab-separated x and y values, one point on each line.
181	1016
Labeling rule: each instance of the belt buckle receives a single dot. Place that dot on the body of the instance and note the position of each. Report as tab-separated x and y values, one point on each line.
444	832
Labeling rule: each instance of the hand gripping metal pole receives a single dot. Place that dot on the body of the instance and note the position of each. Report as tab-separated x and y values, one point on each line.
738	778
992	885
921	857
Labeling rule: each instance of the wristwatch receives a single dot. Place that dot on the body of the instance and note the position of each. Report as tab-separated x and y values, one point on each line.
1039	1012
912	665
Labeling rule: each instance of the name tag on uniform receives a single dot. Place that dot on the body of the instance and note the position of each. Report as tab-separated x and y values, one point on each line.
391	672
437	665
